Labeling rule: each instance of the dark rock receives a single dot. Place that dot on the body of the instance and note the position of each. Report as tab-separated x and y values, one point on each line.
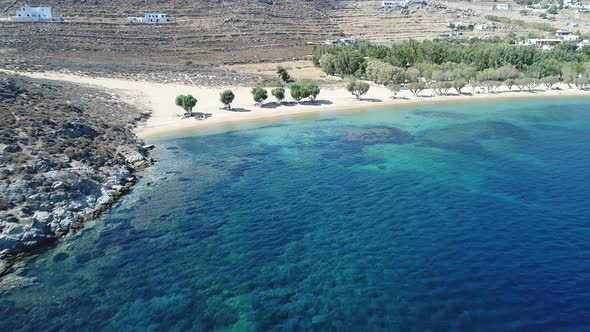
75	130
12	148
60	163
62	256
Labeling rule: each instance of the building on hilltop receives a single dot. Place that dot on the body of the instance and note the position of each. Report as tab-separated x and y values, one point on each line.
394	4
567	35
502	6
348	41
543	43
27	13
149	18
485	26
571	4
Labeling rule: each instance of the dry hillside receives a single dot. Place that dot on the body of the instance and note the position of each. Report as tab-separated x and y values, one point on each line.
97	37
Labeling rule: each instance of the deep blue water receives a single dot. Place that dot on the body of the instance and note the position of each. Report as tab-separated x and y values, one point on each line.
469	217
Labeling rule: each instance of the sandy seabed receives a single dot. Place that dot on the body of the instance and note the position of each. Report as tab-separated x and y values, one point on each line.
166	118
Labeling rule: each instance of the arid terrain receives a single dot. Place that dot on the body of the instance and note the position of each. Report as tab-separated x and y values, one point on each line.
204	35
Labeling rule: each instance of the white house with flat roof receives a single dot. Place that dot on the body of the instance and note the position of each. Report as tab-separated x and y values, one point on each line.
502	6
394	4
27	13
567	35
149	18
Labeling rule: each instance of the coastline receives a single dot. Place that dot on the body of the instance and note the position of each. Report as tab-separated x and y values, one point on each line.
63	164
165	118
165	121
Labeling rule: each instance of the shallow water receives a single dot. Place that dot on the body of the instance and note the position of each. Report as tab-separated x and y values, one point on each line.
470	217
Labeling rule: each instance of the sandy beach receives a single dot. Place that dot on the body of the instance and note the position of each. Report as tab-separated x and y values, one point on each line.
166	117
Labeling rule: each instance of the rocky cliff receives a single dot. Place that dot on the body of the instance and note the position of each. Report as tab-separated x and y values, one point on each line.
66	153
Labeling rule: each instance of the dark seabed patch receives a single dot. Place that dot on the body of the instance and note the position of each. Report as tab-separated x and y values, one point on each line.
328	120
473	132
446	115
276	125
376	135
62	256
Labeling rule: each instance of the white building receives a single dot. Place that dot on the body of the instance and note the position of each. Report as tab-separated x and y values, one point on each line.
149	18
484	26
545	43
348	41
27	13
502	6
566	35
571	4
394	4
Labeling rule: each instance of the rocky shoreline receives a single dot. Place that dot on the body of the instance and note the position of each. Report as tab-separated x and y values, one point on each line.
67	154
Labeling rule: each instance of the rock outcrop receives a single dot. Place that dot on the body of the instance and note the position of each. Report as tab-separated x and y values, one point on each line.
66	154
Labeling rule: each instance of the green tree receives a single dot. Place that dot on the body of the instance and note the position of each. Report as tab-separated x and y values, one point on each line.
259	94
510	83
226	98
278	93
547	67
441	88
326	62
283	74
459	84
298	92
582	83
412	74
578	69
394	88
550	81
187	102
358	88
528	83
416	87
313	91
348	62
382	72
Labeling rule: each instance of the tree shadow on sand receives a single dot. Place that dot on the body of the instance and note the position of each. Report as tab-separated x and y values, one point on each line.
240	110
371	100
272	105
317	103
202	116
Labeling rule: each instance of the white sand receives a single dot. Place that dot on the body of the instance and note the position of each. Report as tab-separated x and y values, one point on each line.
166	116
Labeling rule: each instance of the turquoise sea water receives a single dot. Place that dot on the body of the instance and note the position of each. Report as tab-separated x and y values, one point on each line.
468	217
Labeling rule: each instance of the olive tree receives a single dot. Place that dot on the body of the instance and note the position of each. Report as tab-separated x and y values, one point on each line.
510	83
358	88
582	83
278	93
327	64
187	102
550	81
313	91
259	94
283	74
298	92
416	87
394	88
459	84
226	98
